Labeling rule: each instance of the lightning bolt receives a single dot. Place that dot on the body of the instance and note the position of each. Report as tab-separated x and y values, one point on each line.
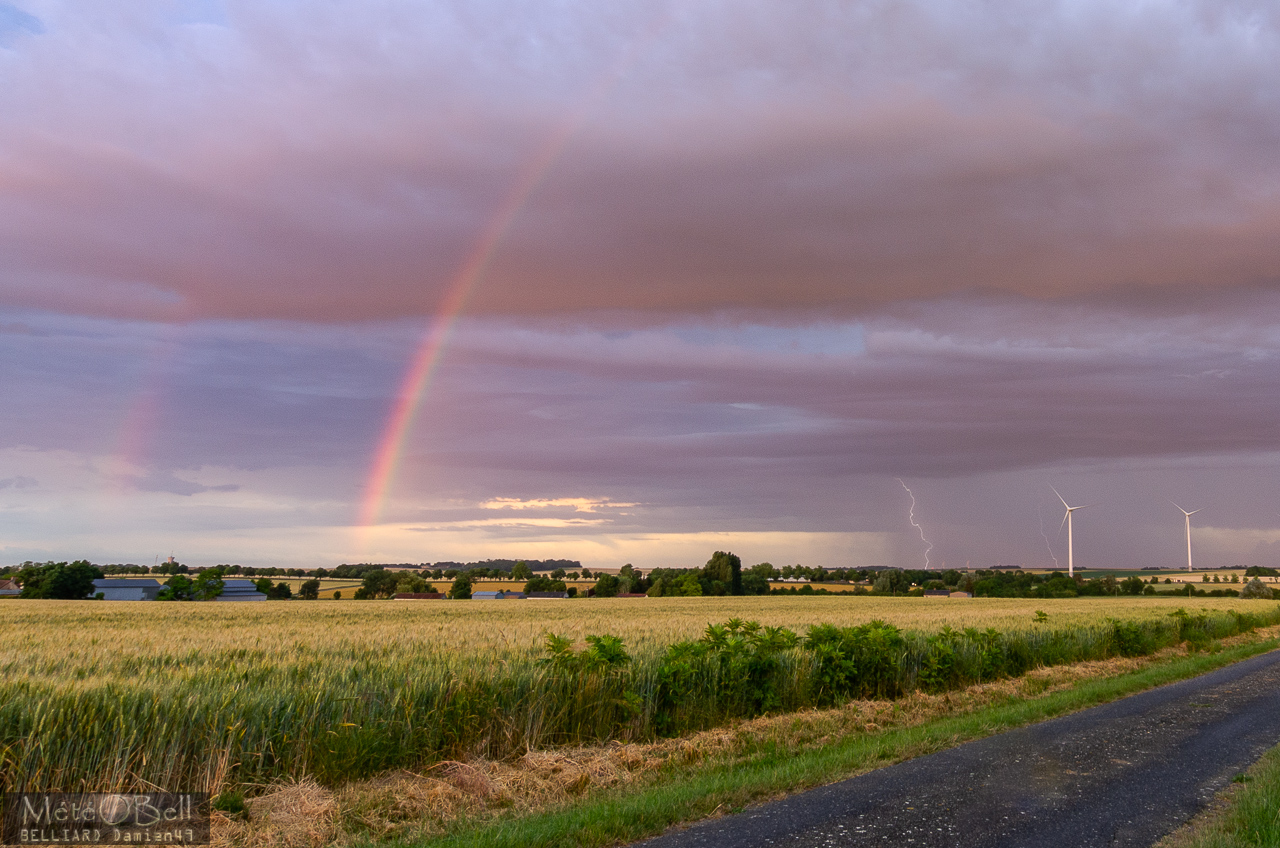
1046	536
911	516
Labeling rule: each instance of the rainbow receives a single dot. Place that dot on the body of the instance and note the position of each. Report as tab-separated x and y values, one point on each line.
426	359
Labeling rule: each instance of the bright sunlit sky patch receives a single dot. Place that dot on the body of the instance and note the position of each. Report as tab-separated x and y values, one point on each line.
701	275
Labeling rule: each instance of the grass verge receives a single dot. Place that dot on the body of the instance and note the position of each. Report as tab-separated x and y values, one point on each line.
1246	815
685	794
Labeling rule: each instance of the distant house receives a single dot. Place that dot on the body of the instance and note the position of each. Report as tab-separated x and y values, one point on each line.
495	596
937	593
631	595
416	596
961	595
121	589
240	590
8	588
548	594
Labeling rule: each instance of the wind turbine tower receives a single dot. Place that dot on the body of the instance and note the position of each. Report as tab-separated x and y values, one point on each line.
1188	515
1066	519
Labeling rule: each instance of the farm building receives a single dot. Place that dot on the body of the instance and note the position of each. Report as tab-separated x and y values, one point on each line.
417	596
549	595
121	589
8	587
240	590
495	596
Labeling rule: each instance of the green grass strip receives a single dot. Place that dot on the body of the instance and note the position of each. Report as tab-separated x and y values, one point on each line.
691	794
1251	818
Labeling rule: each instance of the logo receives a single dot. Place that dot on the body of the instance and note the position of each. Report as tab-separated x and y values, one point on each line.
99	818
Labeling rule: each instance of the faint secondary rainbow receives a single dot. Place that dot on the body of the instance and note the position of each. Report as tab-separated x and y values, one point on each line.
140	422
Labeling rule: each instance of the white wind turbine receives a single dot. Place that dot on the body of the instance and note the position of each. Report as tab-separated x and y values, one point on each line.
1066	519
1188	517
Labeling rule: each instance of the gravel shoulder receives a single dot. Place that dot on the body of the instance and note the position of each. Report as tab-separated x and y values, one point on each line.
1121	774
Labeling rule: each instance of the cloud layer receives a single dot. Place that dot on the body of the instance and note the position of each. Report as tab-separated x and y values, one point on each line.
340	162
737	267
583	437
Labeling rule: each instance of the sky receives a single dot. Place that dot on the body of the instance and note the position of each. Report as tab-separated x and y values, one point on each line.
297	284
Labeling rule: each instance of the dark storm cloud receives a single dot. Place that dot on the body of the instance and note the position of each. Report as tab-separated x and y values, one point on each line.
770	258
980	403
341	163
962	389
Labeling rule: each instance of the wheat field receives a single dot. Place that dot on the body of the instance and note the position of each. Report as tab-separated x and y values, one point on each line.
103	696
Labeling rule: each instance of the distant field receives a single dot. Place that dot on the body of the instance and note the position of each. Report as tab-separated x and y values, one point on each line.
104	695
519	625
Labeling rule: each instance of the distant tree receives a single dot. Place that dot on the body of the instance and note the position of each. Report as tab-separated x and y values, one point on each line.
58	580
337	595
1256	590
558	574
411	583
378	583
686	586
263	585
461	588
309	590
754	583
724	568
586	574
521	571
891	581
545	584
177	588
607	586
764	569
280	592
1132	586
207	586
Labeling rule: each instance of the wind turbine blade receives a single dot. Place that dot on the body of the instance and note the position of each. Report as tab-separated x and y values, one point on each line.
1180	509
1193	512
1064	522
1061	498
1086	506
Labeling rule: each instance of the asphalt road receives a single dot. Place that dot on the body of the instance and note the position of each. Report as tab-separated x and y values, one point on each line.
1122	774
